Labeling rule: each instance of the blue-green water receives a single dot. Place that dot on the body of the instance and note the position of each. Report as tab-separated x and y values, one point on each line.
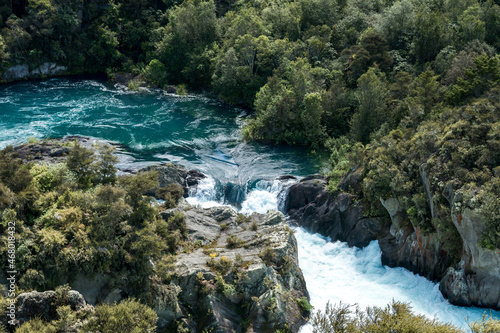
205	134
199	132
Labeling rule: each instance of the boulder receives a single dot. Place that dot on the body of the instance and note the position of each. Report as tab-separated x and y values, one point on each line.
42	304
262	253
340	217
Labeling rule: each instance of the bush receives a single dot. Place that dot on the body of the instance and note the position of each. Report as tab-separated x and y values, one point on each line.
127	316
36	325
396	317
304	304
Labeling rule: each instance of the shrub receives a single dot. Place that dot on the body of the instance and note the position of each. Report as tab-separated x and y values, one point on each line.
396	317
221	265
127	316
304	304
268	255
233	241
36	325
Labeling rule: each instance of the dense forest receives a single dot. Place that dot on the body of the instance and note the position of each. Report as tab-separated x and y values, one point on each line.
384	84
387	88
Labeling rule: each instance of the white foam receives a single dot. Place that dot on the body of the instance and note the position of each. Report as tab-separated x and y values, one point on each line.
334	272
204	195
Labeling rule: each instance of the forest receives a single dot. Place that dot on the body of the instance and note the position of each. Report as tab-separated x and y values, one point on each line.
385	87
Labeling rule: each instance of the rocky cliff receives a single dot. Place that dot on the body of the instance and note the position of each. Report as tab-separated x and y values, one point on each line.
229	272
469	274
242	275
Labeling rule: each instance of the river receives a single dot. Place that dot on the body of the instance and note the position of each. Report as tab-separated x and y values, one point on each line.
203	133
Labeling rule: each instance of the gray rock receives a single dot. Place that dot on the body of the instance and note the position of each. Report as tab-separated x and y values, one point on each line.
338	217
42	304
20	72
91	287
255	283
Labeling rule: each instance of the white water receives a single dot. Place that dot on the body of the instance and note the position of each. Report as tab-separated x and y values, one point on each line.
335	272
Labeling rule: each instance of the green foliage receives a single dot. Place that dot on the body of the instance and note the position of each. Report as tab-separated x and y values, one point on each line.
394	317
483	76
127	316
372	94
304	304
171	194
156	72
289	106
36	325
80	161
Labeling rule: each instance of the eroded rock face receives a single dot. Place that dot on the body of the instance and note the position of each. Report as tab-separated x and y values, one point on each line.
471	280
475	280
20	72
262	285
339	217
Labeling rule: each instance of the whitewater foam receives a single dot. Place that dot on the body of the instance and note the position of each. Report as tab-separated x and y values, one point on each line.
334	272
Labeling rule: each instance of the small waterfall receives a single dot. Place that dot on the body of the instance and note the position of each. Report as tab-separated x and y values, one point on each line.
204	194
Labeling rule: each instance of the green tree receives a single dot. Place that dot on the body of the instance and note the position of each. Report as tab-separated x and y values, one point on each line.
372	96
397	25
190	35
430	34
478	79
156	72
80	161
318	12
288	104
426	91
470	25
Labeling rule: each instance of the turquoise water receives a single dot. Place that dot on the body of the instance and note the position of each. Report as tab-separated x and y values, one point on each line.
199	132
205	134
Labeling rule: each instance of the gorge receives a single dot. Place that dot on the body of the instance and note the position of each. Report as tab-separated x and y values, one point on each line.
204	134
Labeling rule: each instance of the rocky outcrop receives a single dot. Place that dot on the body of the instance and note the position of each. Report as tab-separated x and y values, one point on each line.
132	81
475	280
339	217
242	275
471	280
20	72
43	304
406	246
169	173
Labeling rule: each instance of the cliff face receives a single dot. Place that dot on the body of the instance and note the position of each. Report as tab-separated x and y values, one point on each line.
229	272
468	277
244	276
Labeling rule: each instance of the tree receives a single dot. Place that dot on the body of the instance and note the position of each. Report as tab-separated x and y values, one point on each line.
318	12
470	25
397	25
484	75
190	36
288	105
371	93
430	32
426	91
80	161
156	73
372	50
